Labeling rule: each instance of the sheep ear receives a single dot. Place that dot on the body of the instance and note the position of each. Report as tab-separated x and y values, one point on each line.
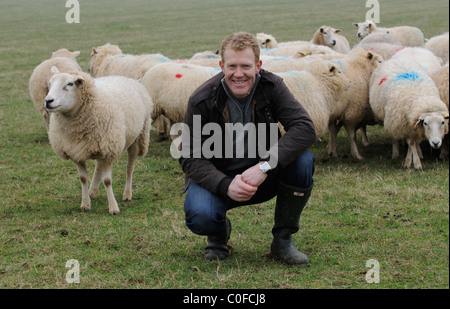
369	56
217	52
268	40
79	81
337	31
356	25
94	52
321	30
76	53
419	122
332	69
54	70
445	116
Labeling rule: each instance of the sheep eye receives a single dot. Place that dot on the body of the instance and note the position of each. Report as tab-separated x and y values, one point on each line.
70	84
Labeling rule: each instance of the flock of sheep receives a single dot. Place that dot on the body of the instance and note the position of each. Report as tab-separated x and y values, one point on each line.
393	77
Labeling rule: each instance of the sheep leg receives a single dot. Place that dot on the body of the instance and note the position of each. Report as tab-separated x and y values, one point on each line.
333	130
107	182
395	149
364	139
132	155
93	189
412	155
84	177
351	132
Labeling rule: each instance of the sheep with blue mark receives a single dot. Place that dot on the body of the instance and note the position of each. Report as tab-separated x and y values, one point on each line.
318	87
406	101
109	59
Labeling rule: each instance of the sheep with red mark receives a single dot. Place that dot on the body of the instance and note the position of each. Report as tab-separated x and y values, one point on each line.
109	59
98	119
423	57
65	61
406	101
171	84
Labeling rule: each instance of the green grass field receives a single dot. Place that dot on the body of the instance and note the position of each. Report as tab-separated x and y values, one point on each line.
358	211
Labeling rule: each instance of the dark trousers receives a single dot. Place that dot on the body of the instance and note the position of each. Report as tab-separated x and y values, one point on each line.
205	211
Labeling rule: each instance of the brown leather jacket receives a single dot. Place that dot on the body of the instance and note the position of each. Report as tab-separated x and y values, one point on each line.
272	103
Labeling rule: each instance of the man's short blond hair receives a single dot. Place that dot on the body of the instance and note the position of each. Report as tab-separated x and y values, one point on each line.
240	41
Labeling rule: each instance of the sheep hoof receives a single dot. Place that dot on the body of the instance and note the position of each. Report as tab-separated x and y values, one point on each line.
114	212
86	208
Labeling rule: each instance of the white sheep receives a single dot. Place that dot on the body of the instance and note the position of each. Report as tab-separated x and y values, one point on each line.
441	80
329	36
108	60
380	37
385	50
65	61
317	88
407	35
439	45
353	108
296	63
98	119
406	101
171	84
425	58
266	41
299	48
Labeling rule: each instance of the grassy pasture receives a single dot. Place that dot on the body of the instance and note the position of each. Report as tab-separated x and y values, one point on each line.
359	210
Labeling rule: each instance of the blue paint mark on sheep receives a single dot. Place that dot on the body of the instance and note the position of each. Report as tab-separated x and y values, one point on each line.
412	76
282	58
162	59
339	62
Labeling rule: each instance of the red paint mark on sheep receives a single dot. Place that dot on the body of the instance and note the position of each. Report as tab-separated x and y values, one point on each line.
382	81
179	75
399	48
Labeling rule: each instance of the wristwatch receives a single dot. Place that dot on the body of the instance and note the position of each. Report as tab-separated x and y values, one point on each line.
264	167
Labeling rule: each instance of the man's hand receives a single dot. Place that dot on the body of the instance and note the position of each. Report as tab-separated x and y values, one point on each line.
254	176
241	191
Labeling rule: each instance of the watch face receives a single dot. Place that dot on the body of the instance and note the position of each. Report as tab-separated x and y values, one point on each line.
265	167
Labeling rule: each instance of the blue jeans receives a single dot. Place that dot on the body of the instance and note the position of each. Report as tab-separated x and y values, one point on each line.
205	211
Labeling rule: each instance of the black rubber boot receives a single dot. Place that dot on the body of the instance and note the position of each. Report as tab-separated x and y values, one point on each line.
289	206
217	248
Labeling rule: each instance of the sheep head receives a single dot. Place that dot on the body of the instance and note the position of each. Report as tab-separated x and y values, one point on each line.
63	95
433	126
365	28
328	35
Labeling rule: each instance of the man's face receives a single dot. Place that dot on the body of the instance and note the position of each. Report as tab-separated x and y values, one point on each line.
240	70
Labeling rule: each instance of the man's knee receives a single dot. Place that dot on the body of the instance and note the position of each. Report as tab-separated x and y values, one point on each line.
203	222
300	172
